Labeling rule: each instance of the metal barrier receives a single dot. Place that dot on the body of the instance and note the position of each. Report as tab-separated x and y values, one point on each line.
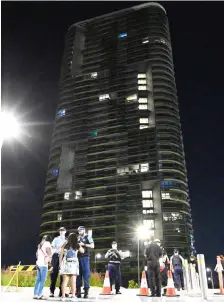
16	274
25	268
187	281
202	276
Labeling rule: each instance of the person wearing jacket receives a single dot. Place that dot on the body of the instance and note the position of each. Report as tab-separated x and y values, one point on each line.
114	258
176	266
153	253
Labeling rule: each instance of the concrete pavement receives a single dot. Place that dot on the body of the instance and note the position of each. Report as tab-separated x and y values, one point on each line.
128	295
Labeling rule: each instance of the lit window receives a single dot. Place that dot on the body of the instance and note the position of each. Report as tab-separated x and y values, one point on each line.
59	216
143	126
143	120
145	40
61	112
142	82
147	203
78	194
147	194
177	230
149	223
122	171
143	100
134	168
165	195
144	167
142	87
103	97
93	75
122	35
143	107
67	195
131	97
147	211
54	172
141	76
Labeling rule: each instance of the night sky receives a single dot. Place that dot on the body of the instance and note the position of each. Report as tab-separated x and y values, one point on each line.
33	35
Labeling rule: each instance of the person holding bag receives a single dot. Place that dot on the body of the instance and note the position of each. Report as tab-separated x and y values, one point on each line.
43	254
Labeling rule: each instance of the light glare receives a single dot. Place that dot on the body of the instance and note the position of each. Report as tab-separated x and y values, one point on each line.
9	126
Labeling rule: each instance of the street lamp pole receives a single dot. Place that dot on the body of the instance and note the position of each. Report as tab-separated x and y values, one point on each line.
138	262
97	256
209	270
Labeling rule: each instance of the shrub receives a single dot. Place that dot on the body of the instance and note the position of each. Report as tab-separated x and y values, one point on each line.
27	279
132	284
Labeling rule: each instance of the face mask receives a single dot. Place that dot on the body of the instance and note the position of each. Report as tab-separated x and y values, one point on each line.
176	254
114	246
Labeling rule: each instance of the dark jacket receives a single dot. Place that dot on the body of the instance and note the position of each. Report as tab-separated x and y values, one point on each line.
153	252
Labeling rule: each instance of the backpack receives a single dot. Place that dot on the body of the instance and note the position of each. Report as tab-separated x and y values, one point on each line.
176	261
71	253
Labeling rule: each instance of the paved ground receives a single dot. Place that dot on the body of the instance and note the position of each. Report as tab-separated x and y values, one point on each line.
128	295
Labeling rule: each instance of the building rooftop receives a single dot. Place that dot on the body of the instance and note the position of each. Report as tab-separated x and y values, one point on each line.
119	12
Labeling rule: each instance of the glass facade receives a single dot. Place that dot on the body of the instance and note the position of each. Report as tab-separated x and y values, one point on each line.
117	146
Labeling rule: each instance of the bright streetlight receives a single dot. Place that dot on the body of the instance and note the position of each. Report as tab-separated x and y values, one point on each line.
142	232
97	256
9	126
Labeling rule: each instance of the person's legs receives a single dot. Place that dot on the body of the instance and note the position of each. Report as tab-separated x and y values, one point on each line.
60	285
54	273
79	279
73	285
86	275
164	279
177	277
157	279
182	278
117	278
64	285
151	275
37	283
111	274
43	277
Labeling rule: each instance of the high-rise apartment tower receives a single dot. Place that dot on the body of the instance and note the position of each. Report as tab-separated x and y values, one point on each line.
117	160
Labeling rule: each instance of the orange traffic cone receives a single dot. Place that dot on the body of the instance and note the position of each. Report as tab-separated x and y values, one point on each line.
106	285
144	291
170	291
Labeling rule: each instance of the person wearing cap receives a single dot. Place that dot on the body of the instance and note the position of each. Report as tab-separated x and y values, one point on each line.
153	253
56	245
176	266
114	262
87	243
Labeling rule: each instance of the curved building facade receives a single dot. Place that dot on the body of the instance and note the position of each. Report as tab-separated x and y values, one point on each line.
117	159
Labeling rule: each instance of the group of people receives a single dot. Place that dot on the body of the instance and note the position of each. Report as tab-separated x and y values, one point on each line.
69	257
158	264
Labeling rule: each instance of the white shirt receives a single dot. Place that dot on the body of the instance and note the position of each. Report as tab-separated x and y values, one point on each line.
57	244
42	253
